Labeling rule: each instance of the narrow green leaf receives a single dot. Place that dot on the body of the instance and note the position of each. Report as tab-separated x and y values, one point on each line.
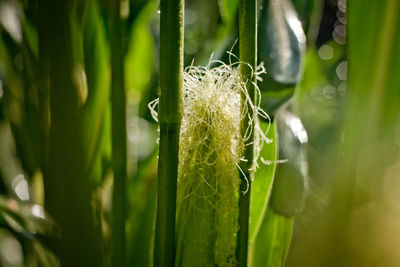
97	75
140	56
273	241
228	9
262	184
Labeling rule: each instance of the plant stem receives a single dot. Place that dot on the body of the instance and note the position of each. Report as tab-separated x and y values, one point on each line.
68	191
248	55
119	135
169	116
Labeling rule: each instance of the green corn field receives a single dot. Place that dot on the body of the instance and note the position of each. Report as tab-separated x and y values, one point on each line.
173	133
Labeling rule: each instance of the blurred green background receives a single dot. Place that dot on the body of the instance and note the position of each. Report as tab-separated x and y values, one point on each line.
331	89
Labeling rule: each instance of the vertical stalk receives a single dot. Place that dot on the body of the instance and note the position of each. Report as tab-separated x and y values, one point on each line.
119	135
68	191
169	116
248	55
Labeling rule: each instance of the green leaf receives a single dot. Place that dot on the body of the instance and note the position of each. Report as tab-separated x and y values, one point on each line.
281	43
359	212
291	183
310	13
273	241
140	57
263	179
31	37
28	219
374	60
97	70
269	233
281	47
142	203
215	42
228	9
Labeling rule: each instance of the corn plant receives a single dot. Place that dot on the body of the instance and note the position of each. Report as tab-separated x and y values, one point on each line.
199	133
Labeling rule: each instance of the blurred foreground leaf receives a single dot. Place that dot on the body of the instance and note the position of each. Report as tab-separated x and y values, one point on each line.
360	224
